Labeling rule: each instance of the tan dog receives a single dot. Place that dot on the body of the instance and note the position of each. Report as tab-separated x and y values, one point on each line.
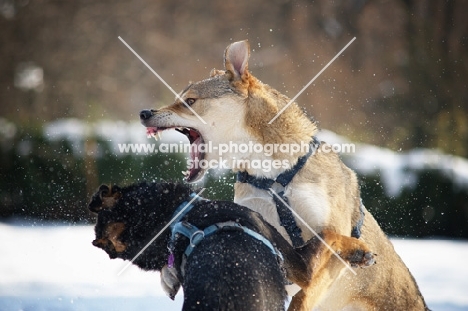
236	109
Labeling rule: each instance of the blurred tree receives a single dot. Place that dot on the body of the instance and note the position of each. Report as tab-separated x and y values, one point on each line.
401	84
436	107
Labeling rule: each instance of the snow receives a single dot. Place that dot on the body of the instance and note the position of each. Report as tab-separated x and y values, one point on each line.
57	268
397	169
440	269
77	131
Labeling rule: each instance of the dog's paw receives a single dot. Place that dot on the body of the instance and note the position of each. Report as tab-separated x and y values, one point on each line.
354	251
361	258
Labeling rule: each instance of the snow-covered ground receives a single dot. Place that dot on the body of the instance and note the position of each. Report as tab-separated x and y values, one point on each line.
57	268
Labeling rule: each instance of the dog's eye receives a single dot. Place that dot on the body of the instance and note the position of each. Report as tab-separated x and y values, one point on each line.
190	101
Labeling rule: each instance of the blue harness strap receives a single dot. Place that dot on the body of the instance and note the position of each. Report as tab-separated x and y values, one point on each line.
285	215
179	213
196	235
184	208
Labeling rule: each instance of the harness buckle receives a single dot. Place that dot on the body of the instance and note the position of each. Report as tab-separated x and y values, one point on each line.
196	237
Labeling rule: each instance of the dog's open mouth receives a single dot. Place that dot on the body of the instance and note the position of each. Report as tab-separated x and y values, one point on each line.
194	171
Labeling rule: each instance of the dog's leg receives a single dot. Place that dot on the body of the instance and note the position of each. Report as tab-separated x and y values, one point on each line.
326	267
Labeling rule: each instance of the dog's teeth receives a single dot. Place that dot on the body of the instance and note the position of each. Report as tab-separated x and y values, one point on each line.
155	135
159	135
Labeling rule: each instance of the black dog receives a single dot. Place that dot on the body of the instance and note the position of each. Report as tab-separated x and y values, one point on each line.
225	256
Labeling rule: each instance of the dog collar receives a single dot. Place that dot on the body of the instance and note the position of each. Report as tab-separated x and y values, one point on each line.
286	217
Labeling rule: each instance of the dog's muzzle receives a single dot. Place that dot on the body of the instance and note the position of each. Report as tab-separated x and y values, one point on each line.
146	114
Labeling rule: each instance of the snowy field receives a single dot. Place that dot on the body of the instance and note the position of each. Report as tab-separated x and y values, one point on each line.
57	268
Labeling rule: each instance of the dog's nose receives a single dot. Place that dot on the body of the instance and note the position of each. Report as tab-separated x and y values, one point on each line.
146	114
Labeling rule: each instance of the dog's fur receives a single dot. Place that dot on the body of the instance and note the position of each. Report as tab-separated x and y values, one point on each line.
325	193
228	270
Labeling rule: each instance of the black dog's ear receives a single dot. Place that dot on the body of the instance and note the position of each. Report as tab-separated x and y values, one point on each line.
110	196
116	189
103	190
96	202
105	198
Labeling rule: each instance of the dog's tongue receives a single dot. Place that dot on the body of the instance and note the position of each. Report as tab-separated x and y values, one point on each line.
152	132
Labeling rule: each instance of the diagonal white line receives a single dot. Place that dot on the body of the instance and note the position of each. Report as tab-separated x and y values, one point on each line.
310	82
162	80
160	232
313	231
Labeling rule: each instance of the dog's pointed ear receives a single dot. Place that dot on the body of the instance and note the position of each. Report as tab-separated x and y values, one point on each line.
236	60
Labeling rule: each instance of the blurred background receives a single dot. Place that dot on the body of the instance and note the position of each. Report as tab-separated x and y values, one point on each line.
70	92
